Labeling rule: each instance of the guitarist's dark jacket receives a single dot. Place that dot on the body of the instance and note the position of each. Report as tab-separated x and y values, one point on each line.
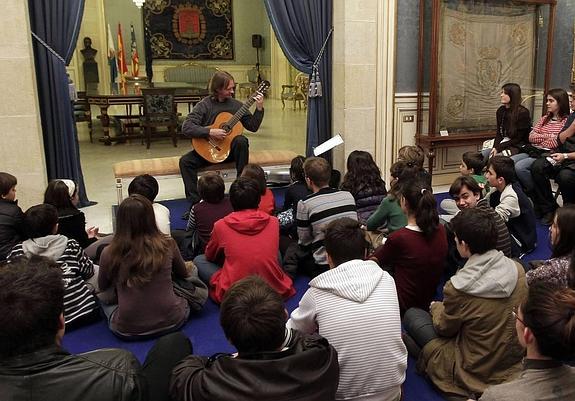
206	111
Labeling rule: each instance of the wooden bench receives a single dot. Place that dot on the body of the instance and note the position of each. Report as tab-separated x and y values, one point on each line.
274	162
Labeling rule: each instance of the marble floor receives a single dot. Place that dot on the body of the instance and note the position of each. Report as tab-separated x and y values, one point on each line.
280	129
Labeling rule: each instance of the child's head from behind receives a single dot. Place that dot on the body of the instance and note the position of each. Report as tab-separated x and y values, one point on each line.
476	229
8	186
62	194
245	194
318	171
417	201
257	173
211	187
144	185
296	172
344	241
135	218
412	153
253	316
41	220
500	172
472	163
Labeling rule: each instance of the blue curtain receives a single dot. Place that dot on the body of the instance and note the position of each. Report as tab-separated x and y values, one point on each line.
56	23
301	27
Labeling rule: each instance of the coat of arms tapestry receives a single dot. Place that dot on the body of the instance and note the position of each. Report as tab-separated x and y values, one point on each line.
190	29
481	51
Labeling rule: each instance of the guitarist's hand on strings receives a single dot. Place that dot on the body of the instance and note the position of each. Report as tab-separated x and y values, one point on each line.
217	133
259	98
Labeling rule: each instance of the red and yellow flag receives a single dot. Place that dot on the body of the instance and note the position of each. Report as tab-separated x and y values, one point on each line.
122	67
135	58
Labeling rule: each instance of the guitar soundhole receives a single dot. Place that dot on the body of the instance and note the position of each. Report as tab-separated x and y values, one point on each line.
226	127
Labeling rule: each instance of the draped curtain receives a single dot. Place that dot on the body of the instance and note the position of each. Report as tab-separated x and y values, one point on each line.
301	27
57	24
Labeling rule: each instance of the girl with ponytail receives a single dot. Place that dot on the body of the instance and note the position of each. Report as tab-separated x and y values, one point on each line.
545	326
415	255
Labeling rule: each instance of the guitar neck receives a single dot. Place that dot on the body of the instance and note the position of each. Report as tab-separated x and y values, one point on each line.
241	112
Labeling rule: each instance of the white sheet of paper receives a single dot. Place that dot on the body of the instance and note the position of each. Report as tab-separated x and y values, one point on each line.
328	145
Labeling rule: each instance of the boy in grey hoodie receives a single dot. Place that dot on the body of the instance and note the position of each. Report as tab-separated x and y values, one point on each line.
468	340
354	305
42	224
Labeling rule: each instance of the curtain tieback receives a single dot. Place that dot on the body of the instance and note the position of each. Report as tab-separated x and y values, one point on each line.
315	89
47	46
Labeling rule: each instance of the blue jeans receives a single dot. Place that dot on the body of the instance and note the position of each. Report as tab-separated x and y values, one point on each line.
523	170
206	269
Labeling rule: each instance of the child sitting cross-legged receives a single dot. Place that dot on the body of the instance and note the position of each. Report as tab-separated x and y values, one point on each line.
78	270
468	341
213	206
244	243
415	254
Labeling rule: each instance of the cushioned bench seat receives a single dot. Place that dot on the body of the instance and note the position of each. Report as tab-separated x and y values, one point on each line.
168	167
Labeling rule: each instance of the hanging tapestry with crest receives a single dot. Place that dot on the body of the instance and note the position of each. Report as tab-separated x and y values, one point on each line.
483	46
190	29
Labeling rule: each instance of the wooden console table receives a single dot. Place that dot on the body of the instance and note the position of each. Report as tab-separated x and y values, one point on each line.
431	143
185	95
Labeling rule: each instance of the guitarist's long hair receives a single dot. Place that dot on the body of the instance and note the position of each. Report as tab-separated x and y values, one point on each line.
139	249
219	81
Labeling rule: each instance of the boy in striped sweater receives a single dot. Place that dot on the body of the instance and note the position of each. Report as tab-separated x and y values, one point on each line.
42	223
314	213
354	305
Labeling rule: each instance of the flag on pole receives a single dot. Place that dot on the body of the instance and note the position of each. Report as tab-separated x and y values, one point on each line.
122	68
112	60
135	58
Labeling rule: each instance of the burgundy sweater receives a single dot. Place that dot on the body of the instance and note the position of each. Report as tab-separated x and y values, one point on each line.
417	264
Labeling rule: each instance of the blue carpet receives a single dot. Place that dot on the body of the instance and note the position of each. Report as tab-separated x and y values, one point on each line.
207	337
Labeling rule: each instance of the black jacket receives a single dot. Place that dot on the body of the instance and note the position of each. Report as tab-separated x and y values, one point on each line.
53	374
519	137
72	224
12	230
307	370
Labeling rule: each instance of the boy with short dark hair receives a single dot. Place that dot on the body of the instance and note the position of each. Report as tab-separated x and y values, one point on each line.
244	243
12	228
314	212
284	363
511	203
42	224
355	306
213	206
466	342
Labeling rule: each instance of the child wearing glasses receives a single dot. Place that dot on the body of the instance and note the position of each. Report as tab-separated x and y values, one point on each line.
544	325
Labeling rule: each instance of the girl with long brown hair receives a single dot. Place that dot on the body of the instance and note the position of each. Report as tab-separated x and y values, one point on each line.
140	263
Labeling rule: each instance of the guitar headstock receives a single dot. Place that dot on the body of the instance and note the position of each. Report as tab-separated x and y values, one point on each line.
263	87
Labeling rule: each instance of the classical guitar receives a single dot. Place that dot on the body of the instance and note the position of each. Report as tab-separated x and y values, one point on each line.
216	151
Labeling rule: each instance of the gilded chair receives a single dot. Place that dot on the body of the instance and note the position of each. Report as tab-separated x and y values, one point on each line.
297	93
245	89
159	110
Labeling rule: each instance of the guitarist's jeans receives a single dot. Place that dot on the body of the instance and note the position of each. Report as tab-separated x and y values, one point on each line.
191	162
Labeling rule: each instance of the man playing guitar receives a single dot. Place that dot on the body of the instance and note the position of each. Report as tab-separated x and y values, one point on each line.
197	123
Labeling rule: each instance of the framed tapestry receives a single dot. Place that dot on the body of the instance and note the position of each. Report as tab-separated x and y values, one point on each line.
468	49
190	29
